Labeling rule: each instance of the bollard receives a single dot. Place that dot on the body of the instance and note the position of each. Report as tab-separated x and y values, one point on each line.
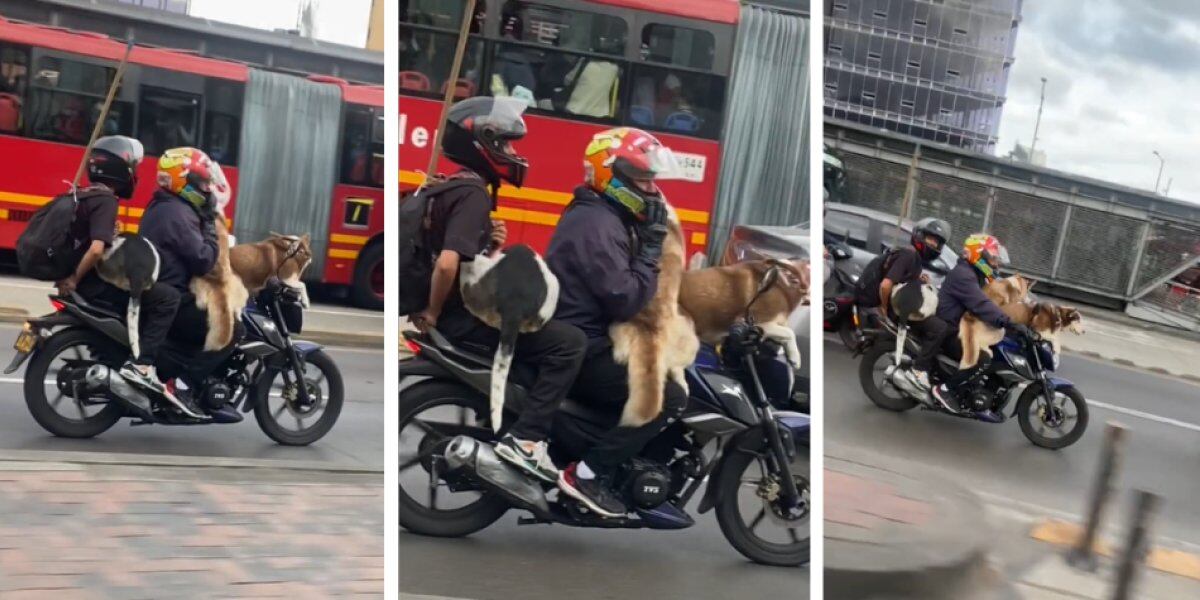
1136	543
1082	556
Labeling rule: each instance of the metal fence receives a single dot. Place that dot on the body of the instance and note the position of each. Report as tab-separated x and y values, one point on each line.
1101	240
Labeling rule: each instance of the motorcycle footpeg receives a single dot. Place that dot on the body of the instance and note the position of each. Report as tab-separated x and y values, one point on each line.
479	458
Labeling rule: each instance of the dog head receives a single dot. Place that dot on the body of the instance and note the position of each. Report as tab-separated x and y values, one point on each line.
793	277
294	255
1051	319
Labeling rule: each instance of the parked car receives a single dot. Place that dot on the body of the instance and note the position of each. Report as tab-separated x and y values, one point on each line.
869	232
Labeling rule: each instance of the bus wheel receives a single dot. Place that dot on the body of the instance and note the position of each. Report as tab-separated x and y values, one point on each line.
367	289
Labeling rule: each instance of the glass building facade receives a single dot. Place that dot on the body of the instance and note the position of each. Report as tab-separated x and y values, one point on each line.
932	69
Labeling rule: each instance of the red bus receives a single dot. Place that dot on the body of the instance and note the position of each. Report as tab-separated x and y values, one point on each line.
583	66
53	81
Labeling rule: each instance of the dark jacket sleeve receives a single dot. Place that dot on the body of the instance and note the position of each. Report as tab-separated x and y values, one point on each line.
977	303
621	285
198	252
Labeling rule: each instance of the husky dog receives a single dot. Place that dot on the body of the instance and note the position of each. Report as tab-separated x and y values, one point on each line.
660	341
717	297
515	293
1048	320
283	256
130	264
221	293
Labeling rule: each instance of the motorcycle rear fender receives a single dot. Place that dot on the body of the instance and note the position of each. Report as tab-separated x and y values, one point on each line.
306	348
50	321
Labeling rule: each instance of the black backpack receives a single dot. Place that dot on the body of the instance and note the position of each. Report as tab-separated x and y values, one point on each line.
416	252
45	249
872	276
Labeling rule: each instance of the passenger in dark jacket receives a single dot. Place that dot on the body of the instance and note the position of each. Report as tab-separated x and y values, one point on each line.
605	252
186	241
962	292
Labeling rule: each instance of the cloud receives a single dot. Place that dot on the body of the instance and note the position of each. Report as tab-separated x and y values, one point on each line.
1122	79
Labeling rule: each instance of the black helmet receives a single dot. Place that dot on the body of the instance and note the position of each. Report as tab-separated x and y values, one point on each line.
930	227
479	136
114	161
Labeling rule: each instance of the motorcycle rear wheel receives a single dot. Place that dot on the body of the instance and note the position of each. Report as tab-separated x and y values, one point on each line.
43	408
871	376
430	520
742	535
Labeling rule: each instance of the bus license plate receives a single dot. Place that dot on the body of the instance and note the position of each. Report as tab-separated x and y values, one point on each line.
25	342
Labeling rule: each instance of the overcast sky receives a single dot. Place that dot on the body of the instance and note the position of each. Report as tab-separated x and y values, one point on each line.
339	21
1123	81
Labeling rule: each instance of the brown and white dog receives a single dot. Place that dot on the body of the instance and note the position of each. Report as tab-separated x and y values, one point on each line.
1011	295
659	341
220	293
715	298
283	256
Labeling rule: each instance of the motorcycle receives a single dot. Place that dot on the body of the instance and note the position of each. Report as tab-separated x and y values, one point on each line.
74	354
1051	411
840	305
754	458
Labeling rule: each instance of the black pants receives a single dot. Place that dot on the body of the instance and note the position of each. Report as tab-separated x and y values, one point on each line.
933	333
555	351
190	326
964	378
158	307
604	384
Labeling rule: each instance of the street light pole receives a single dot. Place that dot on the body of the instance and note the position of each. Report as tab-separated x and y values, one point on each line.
1167	190
1037	124
1161	162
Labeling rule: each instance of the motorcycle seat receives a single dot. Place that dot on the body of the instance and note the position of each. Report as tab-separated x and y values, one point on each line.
469	352
95	309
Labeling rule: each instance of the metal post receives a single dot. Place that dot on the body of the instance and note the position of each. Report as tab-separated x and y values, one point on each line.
1081	556
910	187
1136	543
1038	123
1143	238
1061	245
1161	163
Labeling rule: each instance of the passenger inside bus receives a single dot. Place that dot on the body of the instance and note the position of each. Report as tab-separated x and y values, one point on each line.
12	88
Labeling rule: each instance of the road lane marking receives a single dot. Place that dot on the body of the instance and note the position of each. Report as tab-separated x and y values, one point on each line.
1144	415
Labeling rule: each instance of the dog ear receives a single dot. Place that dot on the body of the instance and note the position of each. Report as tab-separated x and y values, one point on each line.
305	238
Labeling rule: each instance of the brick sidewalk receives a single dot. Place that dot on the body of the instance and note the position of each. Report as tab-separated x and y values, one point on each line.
75	531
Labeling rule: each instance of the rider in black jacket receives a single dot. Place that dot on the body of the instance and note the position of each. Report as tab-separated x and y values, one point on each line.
962	292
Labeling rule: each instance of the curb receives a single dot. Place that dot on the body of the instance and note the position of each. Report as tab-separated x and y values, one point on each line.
1167	560
1124	362
354	339
177	461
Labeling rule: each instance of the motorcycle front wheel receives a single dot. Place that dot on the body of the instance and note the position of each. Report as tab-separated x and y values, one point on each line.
872	374
1053	427
753	519
431	414
283	414
50	391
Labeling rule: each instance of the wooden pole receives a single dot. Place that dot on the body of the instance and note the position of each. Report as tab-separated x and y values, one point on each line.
451	86
112	92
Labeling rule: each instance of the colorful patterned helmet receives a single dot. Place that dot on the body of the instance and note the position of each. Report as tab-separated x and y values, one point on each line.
189	174
985	253
617	157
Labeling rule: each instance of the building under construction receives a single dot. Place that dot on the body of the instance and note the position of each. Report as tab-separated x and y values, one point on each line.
931	69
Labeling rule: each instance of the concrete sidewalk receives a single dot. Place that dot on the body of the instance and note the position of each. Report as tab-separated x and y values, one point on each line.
323	323
1123	340
136	531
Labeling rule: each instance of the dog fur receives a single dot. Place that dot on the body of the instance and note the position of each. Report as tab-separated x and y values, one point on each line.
220	293
660	341
282	256
131	264
1011	295
914	301
487	293
715	298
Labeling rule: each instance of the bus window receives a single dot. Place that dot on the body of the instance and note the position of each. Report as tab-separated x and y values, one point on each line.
66	98
559	60
362	147
677	101
222	120
680	46
167	119
13	78
428	35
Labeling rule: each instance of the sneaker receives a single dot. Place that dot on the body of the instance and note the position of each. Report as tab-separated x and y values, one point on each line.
593	493
921	378
536	462
145	379
945	397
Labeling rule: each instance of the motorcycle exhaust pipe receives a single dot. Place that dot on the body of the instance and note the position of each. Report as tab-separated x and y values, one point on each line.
465	452
100	377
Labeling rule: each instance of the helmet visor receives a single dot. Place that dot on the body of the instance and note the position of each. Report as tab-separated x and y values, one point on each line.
507	113
663	164
1001	258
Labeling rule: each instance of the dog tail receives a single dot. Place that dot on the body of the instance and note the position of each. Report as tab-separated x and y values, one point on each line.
132	313
500	367
970	350
647	374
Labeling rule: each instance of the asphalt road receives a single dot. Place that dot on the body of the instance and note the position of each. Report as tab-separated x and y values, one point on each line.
355	441
1162	454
